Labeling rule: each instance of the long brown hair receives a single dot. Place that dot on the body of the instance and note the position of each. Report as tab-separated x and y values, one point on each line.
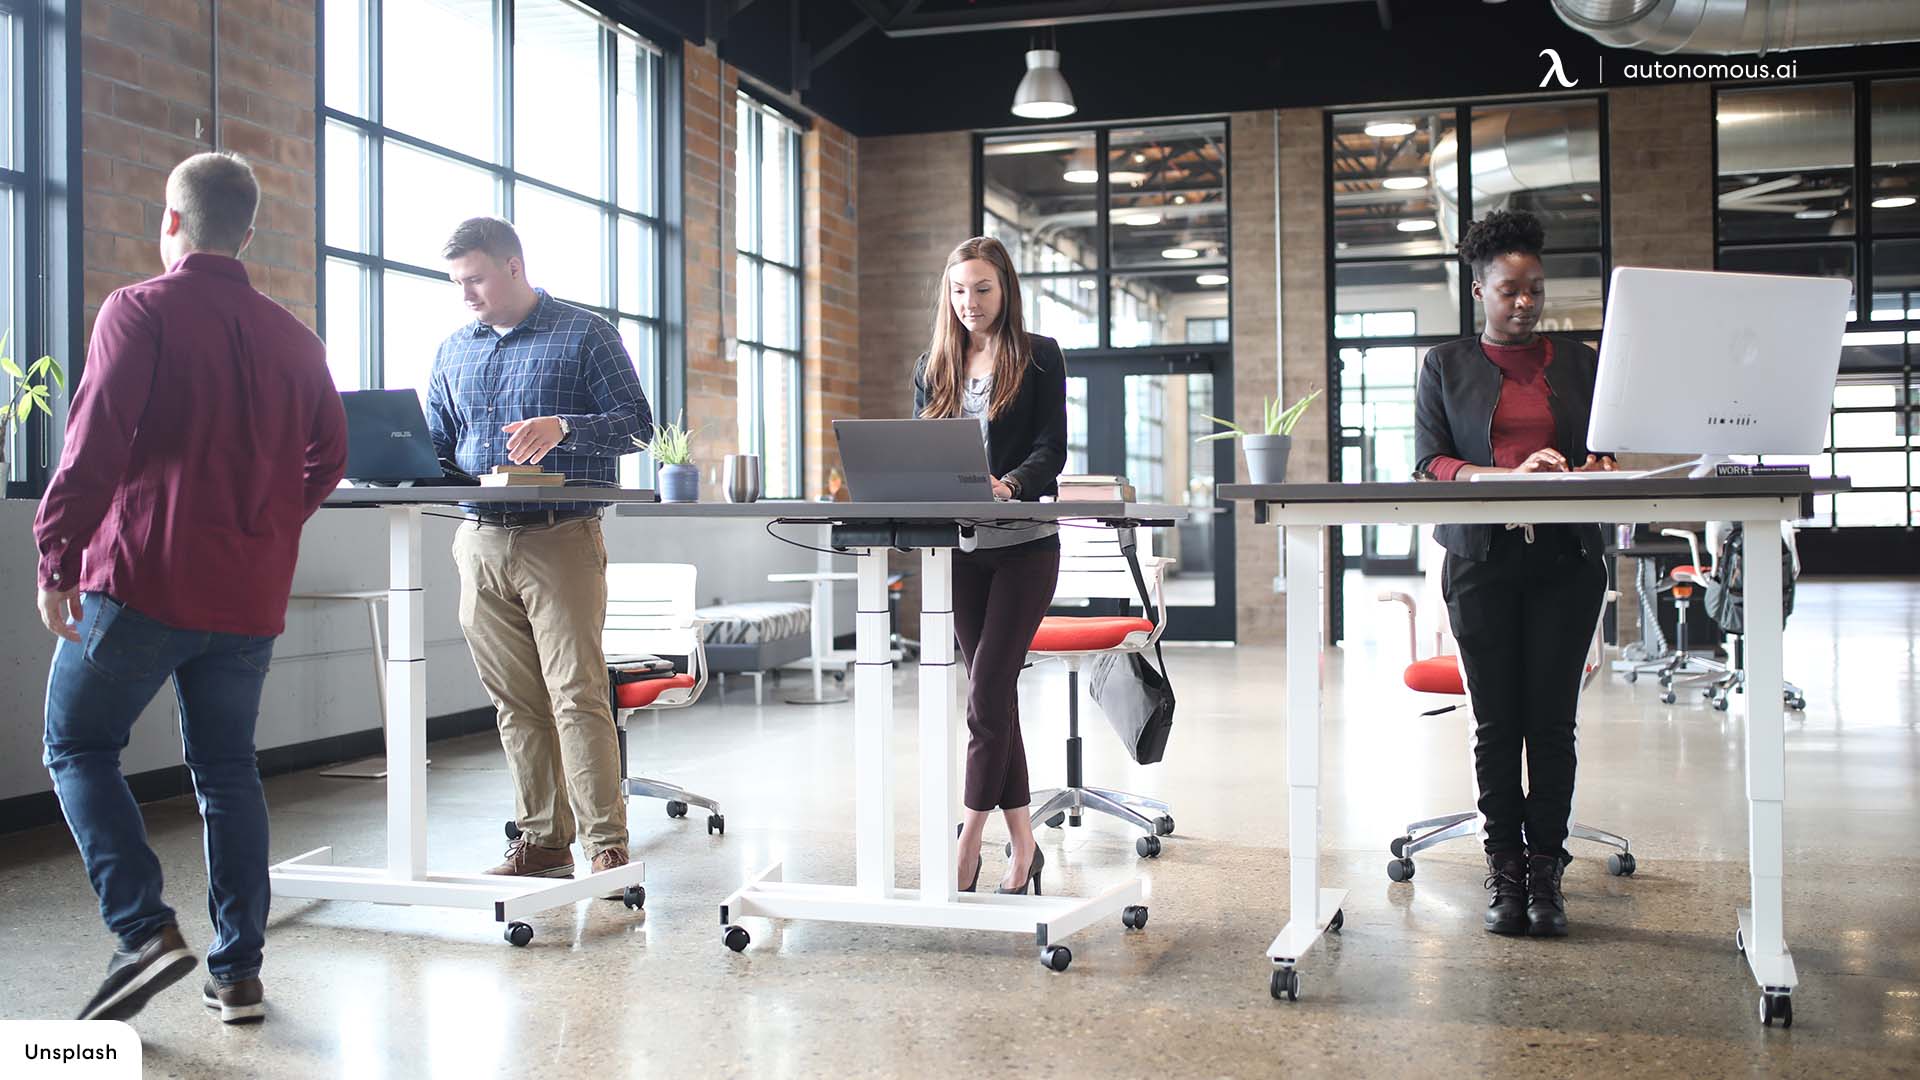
947	353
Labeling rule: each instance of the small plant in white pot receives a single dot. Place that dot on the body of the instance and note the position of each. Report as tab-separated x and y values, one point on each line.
1266	449
672	450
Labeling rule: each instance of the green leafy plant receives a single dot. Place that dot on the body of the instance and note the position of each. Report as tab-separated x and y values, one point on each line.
672	443
32	388
1276	421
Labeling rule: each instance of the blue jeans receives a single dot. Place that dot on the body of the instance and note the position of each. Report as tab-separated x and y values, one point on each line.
95	692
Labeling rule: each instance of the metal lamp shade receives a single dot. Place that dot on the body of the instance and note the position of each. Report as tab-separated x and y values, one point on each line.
1043	93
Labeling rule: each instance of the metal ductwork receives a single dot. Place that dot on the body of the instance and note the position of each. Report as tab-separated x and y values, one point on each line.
1741	26
1516	150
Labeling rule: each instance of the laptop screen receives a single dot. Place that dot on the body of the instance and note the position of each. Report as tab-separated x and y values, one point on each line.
387	437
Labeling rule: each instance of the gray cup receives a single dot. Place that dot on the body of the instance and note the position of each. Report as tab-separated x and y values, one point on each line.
740	478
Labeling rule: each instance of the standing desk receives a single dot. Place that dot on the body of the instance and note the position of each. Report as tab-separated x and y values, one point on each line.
1307	510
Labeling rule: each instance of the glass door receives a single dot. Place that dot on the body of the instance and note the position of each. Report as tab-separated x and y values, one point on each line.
1376	445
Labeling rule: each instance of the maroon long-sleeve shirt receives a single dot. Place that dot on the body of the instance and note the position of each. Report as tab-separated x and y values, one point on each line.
1523	419
205	431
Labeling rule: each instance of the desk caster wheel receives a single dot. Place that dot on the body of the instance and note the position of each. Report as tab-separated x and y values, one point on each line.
512	830
1056	821
676	808
1164	825
634	897
1621	865
1400	870
1776	1007
1056	957
1339	920
1285	983
1399	846
1739	943
716	823
1148	847
1667	698
737	938
1134	917
518	934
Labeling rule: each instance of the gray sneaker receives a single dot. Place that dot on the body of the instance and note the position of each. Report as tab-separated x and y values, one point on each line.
134	976
243	1002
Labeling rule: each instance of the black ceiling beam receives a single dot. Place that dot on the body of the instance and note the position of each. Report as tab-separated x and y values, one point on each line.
1042	15
876	11
838	45
1386	14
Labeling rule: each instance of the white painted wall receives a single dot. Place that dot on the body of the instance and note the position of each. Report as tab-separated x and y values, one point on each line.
322	679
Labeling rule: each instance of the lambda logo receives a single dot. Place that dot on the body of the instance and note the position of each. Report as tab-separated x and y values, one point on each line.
1556	70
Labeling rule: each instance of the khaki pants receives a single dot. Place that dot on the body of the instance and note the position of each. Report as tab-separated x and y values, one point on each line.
533	600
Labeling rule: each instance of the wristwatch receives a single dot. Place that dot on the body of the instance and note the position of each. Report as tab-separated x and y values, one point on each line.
566	429
1012	484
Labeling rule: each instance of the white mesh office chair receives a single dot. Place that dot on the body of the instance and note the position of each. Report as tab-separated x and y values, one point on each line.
1093	566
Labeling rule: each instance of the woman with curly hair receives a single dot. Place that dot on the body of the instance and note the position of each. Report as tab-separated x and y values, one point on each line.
1522	599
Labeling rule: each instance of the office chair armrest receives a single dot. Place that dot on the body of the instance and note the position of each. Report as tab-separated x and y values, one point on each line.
1388	596
1693	548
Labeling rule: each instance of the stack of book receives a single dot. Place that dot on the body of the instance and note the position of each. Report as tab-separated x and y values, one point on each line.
1095	489
522	476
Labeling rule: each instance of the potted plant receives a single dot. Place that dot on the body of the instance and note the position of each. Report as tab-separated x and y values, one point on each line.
672	450
30	391
1268	448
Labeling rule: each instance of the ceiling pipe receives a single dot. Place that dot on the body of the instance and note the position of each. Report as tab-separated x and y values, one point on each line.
1741	26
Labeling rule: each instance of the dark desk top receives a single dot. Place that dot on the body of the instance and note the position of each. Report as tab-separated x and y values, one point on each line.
1520	491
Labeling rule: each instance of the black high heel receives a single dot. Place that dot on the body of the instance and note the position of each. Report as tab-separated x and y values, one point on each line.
1033	875
977	863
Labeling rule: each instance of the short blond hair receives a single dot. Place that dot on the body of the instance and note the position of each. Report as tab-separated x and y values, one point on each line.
216	196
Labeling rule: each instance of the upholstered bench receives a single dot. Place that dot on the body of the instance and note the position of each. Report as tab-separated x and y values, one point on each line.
755	637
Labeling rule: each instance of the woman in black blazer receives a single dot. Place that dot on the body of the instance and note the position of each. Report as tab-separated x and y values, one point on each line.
983	364
1523	599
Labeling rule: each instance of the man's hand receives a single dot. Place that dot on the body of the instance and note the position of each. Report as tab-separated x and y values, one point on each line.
1548	460
1595	463
1002	490
60	612
531	440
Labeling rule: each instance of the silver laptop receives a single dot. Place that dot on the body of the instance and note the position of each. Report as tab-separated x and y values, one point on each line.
914	460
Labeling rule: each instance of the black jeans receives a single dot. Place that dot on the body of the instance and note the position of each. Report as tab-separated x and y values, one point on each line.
999	597
1524	619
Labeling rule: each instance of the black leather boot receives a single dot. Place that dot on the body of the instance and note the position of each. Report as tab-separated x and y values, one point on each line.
1546	904
1506	887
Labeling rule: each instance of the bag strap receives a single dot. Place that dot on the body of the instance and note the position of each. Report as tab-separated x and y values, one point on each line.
1129	546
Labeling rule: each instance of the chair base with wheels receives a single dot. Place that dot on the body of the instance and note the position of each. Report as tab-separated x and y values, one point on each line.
1067	805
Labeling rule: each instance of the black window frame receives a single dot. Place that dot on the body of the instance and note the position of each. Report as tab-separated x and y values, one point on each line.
759	112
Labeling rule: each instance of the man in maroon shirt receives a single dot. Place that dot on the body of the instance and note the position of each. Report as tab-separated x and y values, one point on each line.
204	432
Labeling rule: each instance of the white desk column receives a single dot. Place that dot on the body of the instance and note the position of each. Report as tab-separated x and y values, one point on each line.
406	717
1763	928
873	730
937	854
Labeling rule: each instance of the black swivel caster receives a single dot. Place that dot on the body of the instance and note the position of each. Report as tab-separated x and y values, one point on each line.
1776	1007
1707	693
1056	957
1400	870
1399	846
1798	703
1666	680
676	808
1164	825
737	938
1621	865
1148	847
1134	916
1339	920
1285	983
1056	820
1720	704
1667	698
1739	943
1633	677
512	830
518	934
716	823
634	897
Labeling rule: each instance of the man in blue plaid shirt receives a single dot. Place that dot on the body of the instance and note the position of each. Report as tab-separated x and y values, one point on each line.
533	380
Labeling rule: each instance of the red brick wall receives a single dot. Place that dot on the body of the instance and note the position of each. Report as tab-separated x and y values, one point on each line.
830	298
707	89
146	103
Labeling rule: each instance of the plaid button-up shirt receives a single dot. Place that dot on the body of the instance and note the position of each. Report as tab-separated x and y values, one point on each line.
560	361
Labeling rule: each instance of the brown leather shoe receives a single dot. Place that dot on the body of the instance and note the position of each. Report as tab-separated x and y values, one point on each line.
135	975
527	859
244	1002
611	859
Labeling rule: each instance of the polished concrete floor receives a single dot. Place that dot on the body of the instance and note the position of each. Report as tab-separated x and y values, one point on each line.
1647	984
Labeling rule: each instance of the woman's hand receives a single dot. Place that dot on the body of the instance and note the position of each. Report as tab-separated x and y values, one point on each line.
1548	460
1002	490
1596	463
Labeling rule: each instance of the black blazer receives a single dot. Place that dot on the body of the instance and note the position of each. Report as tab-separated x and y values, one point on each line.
1453	416
1029	443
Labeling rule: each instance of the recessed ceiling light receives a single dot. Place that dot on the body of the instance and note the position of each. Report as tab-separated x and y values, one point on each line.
1893	202
1417	225
1081	176
1815	215
1211	279
1147	218
1179	253
1086	283
1125	176
1404	183
1139	159
1388	129
1179	200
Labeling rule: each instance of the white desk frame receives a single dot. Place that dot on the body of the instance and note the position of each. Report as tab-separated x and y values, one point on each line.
1314	909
